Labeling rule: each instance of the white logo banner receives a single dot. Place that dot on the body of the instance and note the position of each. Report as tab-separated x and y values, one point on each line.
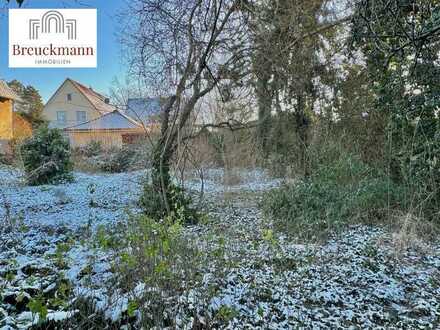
52	38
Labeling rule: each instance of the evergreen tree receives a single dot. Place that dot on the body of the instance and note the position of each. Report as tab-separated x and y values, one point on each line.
288	36
31	104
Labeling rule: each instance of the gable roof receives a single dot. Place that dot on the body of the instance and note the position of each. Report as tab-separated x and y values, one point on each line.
96	100
114	120
6	92
144	109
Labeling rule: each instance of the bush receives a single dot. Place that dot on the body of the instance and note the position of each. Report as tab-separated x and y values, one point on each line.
342	192
94	158
161	273
155	253
118	160
141	156
6	159
46	157
180	204
92	149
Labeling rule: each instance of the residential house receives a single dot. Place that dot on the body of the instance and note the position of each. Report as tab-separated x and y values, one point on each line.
13	127
86	116
73	104
144	110
114	129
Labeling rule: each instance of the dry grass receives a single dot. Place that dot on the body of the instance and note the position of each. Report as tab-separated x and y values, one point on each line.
410	232
225	148
232	177
81	164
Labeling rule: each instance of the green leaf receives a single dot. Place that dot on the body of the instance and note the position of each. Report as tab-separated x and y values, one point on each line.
131	308
36	307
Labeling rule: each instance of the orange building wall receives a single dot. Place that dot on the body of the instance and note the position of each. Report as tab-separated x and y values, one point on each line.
107	139
6	132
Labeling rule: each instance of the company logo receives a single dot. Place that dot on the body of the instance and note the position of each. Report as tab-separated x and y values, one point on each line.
52	38
52	18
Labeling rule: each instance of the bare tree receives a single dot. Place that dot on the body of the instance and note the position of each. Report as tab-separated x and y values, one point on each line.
183	50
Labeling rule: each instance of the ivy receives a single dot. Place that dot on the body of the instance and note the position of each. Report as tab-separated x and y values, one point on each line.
37	306
401	42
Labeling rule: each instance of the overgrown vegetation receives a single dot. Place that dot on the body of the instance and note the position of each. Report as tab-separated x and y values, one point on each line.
181	205
46	158
342	190
401	43
382	115
93	157
159	269
151	252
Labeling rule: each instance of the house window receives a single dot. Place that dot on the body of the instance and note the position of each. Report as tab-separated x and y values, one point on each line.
81	116
61	117
69	97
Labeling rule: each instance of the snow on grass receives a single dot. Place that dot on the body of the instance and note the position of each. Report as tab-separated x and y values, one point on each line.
69	204
353	280
320	288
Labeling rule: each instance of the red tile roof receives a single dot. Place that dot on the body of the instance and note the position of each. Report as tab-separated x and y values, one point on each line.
96	99
6	92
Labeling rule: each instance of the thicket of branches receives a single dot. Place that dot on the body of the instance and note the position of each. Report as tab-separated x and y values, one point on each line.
361	73
183	50
400	40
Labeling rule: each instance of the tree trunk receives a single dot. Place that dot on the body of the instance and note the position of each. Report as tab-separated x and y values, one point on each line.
162	156
264	124
165	149
264	100
302	129
161	177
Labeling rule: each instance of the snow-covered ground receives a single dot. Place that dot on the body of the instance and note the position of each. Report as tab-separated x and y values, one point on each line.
112	195
69	204
353	281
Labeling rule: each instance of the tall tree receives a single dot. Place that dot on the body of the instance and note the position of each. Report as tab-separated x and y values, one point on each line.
183	49
288	36
401	40
31	104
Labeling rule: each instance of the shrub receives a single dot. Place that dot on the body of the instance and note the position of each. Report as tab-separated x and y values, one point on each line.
93	158
141	155
155	253
179	203
6	159
92	149
46	157
342	192
118	160
151	203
